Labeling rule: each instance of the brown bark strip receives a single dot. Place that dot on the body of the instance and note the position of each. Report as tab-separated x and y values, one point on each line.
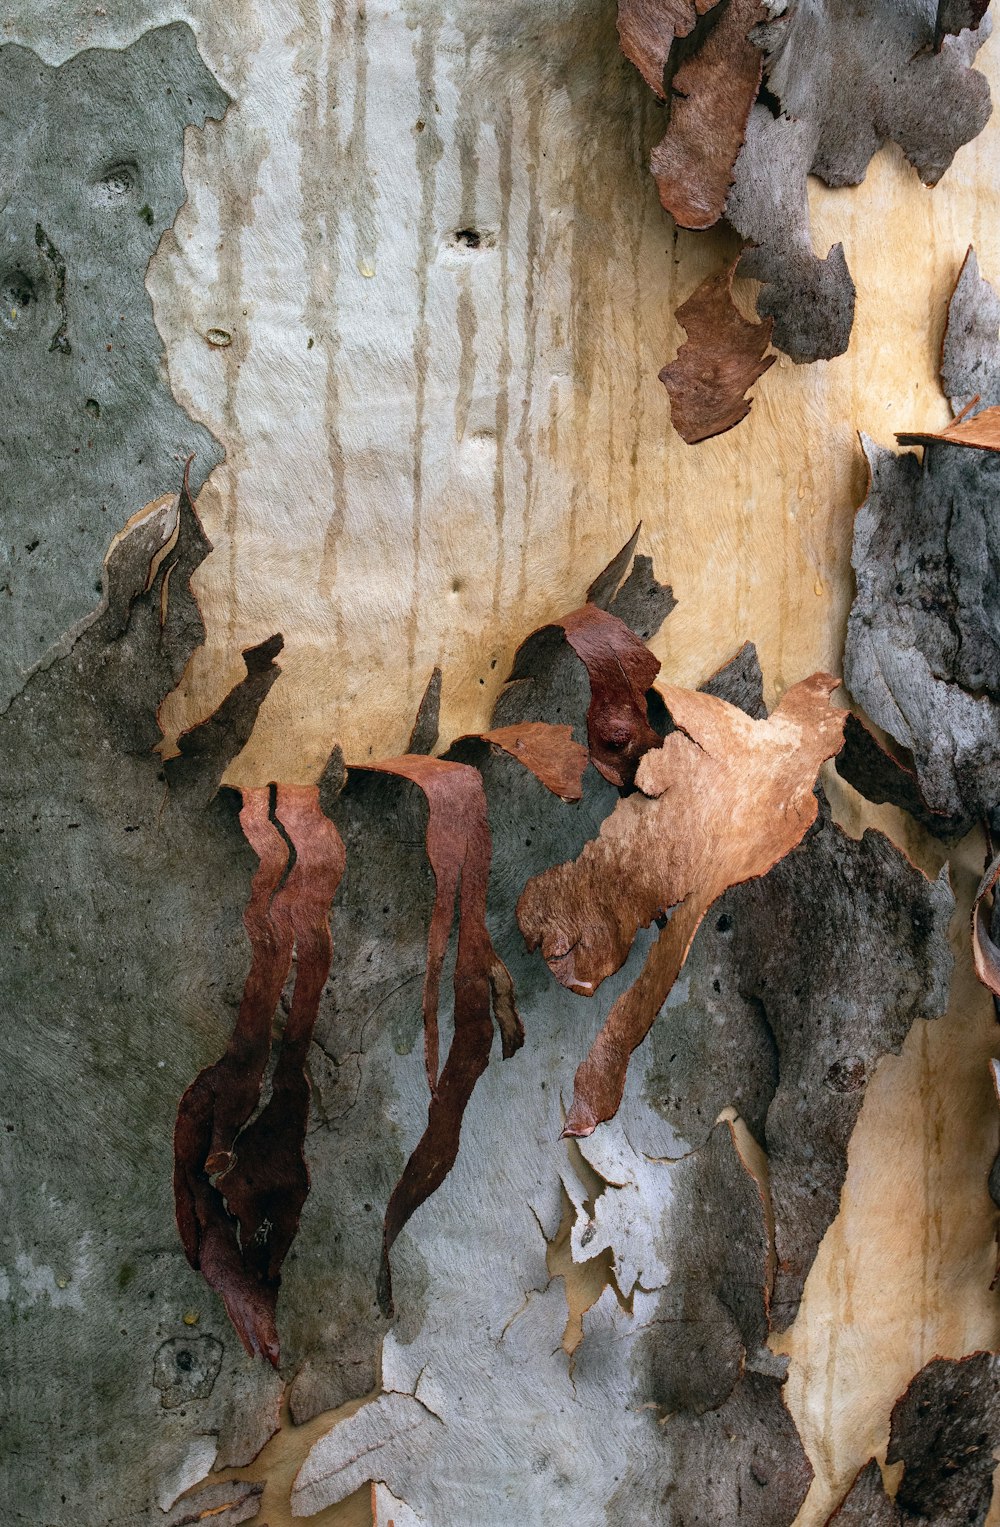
238	1228
722	356
647	29
459	848
712	94
548	751
721	801
981	431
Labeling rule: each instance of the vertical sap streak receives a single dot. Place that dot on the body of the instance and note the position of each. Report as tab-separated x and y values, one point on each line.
466	132
430	149
525	443
505	145
324	202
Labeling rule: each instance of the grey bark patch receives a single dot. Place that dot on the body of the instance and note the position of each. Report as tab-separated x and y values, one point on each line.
945	1430
846	81
856	952
742	1463
91	429
970	356
866	1503
123	964
741	682
712	1312
186	1368
923	640
882	778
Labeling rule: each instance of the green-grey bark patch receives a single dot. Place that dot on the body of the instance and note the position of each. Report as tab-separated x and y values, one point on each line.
90	161
123	958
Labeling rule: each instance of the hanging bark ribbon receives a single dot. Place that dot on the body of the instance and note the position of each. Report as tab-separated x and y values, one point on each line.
240	1181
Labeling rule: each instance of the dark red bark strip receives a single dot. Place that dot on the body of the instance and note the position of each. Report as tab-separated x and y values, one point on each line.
621	669
459	848
239	1186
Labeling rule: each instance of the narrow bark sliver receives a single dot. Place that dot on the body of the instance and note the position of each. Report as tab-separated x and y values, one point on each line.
459	848
719	802
240	1175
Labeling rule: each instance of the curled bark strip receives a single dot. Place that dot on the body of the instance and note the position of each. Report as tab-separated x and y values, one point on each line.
647	29
237	1229
721	358
548	751
621	669
721	801
986	953
712	93
459	848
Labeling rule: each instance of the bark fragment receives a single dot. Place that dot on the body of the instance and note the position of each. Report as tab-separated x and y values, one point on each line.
721	358
721	801
621	669
923	641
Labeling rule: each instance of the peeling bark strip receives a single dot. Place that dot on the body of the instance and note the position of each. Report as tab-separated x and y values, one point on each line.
721	358
840	81
548	751
647	29
240	1181
945	1430
721	801
459	849
711	96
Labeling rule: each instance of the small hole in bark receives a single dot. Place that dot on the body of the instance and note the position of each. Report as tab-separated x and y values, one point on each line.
116	184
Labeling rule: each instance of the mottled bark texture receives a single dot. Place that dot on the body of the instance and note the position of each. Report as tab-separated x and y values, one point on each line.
123	961
945	1431
839	80
90	161
923	642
